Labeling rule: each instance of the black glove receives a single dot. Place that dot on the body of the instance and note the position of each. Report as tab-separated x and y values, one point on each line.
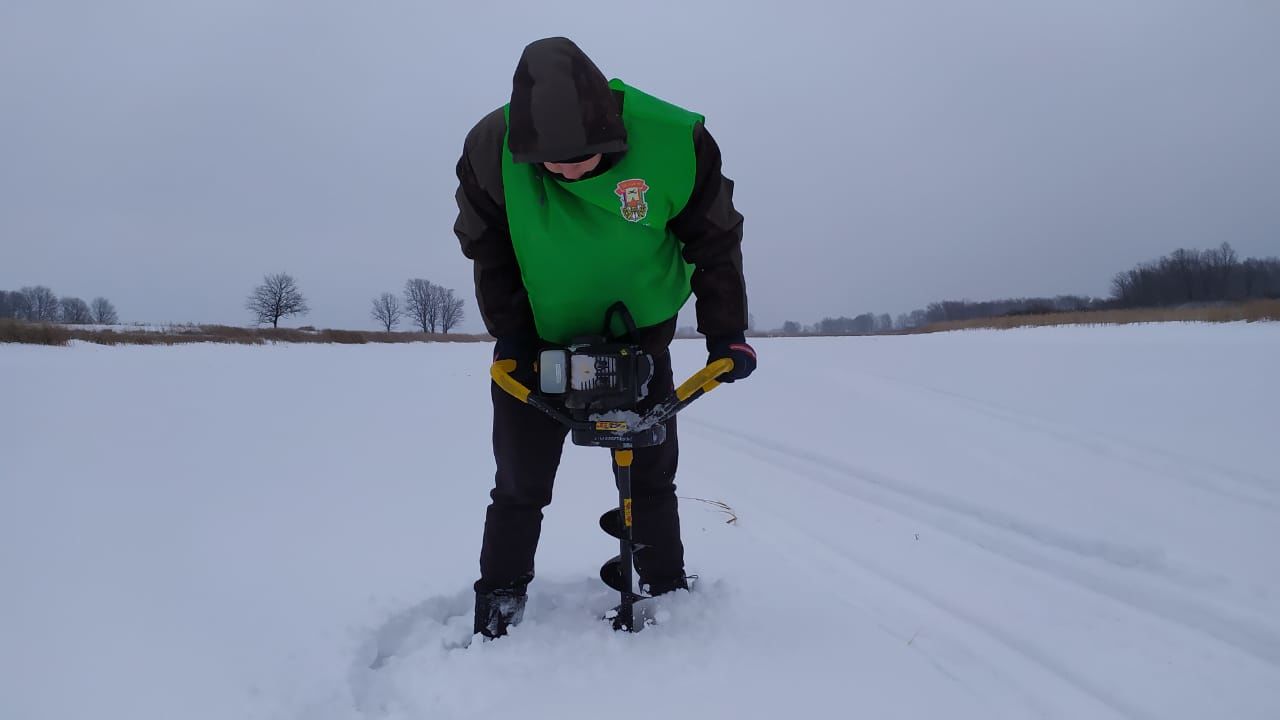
524	351
735	348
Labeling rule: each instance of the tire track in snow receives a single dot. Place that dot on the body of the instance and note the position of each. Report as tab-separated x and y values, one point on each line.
1148	560
858	568
955	517
1255	492
818	564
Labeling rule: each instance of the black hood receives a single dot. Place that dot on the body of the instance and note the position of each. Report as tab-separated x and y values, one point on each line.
561	105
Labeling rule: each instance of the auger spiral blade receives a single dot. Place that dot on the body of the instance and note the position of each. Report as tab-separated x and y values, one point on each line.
611	523
612	575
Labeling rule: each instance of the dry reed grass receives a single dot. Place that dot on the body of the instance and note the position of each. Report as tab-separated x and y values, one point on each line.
1239	312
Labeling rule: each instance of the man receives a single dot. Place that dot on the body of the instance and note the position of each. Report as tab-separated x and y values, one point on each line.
576	194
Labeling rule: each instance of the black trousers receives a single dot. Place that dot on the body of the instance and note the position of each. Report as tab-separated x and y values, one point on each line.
527	446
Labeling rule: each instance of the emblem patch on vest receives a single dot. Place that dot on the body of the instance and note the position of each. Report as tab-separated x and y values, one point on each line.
631	193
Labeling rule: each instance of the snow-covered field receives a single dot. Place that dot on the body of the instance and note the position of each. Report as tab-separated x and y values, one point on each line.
1062	523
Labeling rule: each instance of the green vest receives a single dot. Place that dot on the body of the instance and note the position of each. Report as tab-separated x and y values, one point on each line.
584	245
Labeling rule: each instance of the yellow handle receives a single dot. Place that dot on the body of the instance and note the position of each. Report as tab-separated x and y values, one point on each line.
500	371
704	379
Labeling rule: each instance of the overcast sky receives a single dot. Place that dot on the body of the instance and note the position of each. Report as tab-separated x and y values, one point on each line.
168	153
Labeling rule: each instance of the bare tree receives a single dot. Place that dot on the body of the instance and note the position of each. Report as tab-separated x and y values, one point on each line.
39	304
104	313
75	311
1222	264
417	292
21	305
884	323
450	311
422	303
791	327
278	296
1259	278
435	306
8	304
386	310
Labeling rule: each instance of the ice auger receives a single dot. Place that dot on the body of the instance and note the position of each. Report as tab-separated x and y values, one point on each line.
593	387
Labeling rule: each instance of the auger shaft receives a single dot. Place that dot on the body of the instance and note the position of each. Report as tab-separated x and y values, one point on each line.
625	619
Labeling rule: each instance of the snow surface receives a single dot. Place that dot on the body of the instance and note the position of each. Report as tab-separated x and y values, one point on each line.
1059	523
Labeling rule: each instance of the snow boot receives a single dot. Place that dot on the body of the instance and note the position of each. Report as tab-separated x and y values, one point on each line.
666	585
497	610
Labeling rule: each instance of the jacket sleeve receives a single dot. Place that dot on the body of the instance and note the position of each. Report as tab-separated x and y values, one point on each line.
710	228
482	230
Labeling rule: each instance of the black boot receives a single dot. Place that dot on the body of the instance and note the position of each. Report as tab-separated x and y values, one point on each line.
497	610
665	585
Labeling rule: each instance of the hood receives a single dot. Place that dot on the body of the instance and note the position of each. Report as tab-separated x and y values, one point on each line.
561	105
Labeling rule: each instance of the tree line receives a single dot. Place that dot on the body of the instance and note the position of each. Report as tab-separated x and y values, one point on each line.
38	303
956	310
1197	276
1185	276
944	311
426	306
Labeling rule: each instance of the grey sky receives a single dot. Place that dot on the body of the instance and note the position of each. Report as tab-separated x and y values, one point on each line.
167	154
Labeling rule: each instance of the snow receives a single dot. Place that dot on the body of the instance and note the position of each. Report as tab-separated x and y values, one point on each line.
1059	522
630	417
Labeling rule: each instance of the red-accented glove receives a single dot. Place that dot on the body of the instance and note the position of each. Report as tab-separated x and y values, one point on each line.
735	348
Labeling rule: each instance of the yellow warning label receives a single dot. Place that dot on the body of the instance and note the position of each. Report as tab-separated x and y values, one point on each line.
611	426
626	512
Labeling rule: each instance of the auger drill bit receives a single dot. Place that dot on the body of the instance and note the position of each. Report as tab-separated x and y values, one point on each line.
619	572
